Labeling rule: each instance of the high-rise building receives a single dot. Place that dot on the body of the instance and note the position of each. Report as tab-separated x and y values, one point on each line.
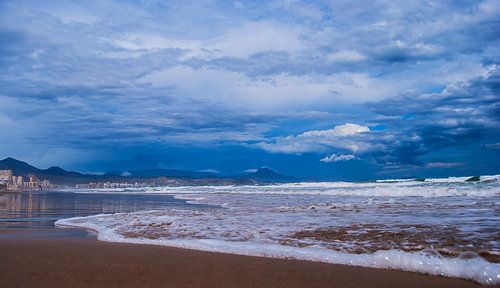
33	182
6	175
19	181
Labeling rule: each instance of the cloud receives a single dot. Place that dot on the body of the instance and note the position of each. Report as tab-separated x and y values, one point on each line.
463	114
442	165
92	76
209	170
492	145
240	42
338	158
346	57
125	174
254	37
347	129
278	92
153	42
347	136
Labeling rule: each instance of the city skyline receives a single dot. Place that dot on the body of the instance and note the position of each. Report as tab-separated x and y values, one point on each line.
314	89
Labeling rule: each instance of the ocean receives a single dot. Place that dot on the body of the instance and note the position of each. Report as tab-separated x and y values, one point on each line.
447	227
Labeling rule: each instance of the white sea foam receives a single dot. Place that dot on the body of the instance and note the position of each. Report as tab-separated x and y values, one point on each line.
432	188
443	180
329	222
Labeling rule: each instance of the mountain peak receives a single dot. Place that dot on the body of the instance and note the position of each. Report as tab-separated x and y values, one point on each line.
17	166
54	170
10	160
265	173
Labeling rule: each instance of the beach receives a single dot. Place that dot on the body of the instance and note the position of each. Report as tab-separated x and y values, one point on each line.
300	143
301	235
86	262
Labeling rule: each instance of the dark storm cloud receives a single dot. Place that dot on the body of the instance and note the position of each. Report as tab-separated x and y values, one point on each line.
462	114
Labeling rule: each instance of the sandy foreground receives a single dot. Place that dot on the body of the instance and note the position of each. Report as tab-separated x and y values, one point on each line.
86	262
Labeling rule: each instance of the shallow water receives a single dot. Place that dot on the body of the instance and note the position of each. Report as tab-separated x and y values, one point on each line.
41	210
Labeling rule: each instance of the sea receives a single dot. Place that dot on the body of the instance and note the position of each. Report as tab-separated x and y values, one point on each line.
446	226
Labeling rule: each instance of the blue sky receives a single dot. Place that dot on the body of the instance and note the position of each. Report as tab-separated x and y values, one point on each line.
320	90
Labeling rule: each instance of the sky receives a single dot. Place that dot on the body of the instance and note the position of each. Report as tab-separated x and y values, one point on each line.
321	90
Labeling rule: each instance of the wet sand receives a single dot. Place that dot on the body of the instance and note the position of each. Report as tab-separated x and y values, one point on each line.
86	262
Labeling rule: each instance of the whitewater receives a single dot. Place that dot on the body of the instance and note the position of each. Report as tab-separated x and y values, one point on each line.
448	227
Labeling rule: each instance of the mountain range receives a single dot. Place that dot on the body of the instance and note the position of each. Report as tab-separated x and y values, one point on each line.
60	176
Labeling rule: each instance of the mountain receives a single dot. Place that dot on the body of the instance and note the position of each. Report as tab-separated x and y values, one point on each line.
18	167
267	174
53	174
149	173
60	176
264	174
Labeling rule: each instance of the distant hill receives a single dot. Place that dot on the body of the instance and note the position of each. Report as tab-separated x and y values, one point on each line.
22	168
53	174
148	173
264	174
60	176
18	167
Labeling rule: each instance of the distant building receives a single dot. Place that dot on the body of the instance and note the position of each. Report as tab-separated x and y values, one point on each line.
33	182
12	182
6	175
45	184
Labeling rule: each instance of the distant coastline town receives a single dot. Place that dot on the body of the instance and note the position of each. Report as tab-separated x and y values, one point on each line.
102	185
18	176
11	182
17	183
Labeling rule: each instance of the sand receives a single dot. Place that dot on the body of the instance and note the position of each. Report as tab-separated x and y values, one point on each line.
86	262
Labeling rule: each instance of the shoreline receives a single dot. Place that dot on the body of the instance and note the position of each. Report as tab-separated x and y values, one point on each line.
65	261
419	264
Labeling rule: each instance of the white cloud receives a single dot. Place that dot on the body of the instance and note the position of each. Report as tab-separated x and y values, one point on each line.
338	158
241	41
347	129
442	165
209	170
67	12
277	92
309	11
347	136
346	57
254	37
138	41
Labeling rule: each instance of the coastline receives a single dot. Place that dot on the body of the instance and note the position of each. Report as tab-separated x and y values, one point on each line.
51	262
4	192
